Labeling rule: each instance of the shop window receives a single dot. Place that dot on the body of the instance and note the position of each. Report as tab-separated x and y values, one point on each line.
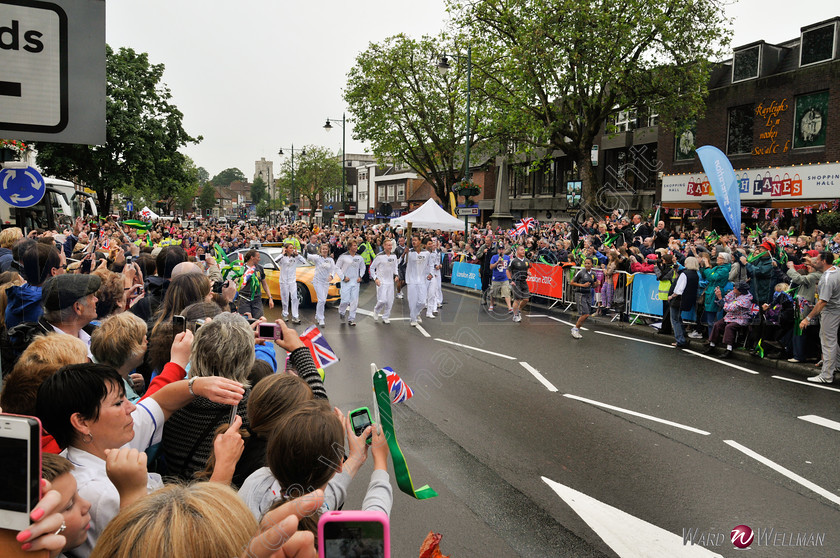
817	45
810	120
685	141
740	135
746	63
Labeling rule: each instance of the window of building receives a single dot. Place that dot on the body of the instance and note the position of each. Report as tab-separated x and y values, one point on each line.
740	135
810	120
391	192
517	179
817	45
380	193
401	192
528	182
685	140
362	195
625	120
746	63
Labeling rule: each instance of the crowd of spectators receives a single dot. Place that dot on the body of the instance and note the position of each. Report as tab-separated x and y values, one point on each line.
128	403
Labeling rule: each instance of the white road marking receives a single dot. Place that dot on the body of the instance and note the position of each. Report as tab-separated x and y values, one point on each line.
719	361
421	330
475	349
537	316
627	535
635	339
636	414
565	322
538	376
364	312
828	423
828	495
809	384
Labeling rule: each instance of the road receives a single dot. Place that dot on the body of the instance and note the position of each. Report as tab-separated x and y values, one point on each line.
542	445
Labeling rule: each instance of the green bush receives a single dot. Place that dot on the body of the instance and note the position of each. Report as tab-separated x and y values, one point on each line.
829	221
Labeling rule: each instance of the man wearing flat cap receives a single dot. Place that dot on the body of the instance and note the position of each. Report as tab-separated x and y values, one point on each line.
70	303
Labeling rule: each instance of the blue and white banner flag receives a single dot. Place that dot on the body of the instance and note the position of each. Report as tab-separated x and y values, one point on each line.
724	184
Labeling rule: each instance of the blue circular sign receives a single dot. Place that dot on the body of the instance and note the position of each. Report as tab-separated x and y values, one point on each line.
21	187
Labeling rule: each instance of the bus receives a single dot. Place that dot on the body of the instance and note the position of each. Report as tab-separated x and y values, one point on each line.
60	206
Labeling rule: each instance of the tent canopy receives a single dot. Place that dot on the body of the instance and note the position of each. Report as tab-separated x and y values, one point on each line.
429	216
148	214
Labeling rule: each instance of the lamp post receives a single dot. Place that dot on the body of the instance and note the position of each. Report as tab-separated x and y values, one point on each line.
293	196
328	127
443	67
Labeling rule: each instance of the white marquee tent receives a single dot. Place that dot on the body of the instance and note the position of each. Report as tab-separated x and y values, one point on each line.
429	216
148	214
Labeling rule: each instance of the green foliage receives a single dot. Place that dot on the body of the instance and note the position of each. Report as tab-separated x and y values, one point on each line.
262	209
203	176
829	221
227	176
143	134
207	197
258	191
317	173
411	114
555	71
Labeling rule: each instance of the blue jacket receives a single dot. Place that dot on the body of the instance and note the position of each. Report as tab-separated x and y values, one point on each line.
24	305
5	259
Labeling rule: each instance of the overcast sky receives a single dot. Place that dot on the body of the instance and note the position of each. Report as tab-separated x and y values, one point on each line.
257	75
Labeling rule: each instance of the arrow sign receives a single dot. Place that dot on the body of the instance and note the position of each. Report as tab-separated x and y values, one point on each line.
627	535
21	189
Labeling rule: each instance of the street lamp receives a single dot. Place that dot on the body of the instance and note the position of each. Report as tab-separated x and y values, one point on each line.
328	127
443	67
293	196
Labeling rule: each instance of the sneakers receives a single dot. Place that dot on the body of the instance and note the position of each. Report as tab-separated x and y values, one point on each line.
695	335
793	360
517	318
285	317
295	320
419	320
399	296
576	333
430	316
412	324
341	317
490	307
820	380
510	310
375	317
321	323
386	321
351	322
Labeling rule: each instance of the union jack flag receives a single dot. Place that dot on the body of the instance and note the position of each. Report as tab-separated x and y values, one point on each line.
783	241
808	209
823	206
767	213
322	353
755	213
398	389
529	222
794	211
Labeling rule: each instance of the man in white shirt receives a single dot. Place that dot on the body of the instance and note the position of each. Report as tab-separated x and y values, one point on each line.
433	294
352	267
288	263
383	270
418	274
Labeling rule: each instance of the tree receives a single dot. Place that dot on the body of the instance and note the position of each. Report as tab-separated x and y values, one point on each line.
258	191
203	176
143	134
411	114
262	208
317	173
557	70
227	176
207	198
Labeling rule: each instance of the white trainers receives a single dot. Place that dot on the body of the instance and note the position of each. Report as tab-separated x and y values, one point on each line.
321	323
412	324
695	335
576	333
820	380
375	317
517	318
400	296
419	320
386	321
430	316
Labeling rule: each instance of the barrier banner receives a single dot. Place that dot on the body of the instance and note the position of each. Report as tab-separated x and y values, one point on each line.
466	275
645	295
546	280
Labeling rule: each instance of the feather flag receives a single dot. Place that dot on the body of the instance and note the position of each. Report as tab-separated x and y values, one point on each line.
322	353
399	390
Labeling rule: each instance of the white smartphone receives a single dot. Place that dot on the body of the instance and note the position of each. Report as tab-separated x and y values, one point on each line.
20	462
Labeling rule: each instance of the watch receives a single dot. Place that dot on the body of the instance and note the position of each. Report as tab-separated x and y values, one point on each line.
190	385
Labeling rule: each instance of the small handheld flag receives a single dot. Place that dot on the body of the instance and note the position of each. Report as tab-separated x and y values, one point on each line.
322	353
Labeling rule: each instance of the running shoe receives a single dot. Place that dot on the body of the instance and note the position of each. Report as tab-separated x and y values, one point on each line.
576	333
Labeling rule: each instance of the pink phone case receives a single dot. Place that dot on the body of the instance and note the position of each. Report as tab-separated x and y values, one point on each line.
350	517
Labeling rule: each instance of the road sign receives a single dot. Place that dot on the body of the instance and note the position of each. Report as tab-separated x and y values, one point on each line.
21	187
464	211
129	205
52	86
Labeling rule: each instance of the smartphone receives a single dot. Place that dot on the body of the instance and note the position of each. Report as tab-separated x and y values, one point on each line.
128	260
20	461
360	419
269	331
354	533
179	324
201	257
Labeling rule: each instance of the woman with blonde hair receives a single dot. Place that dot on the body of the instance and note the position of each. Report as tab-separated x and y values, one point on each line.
120	342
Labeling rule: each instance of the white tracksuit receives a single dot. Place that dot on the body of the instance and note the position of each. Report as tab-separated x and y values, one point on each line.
351	268
288	283
417	270
433	294
384	268
324	269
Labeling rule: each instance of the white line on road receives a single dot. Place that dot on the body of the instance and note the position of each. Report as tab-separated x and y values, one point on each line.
565	322
719	361
635	339
627	535
475	349
635	414
809	384
421	330
538	376
828	423
364	312
828	495
537	316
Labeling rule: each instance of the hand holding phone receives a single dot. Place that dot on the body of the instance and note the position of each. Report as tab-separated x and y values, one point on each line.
20	461
354	533
360	419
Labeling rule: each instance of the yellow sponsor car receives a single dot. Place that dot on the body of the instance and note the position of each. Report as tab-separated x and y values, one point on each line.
303	275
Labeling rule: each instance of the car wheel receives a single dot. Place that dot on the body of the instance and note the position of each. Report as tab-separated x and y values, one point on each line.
303	294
